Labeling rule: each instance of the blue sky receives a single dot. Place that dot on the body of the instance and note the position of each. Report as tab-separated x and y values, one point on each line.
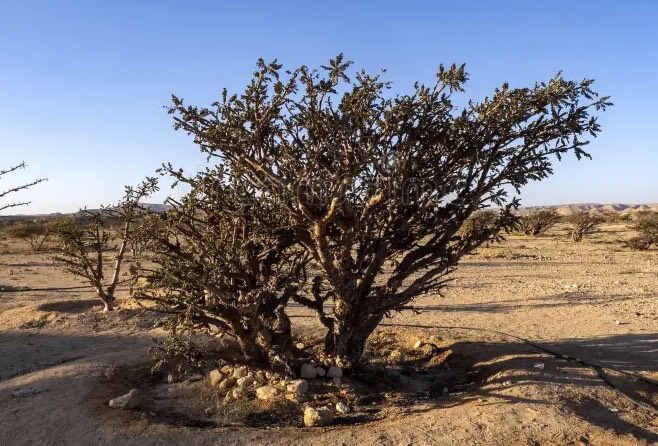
82	83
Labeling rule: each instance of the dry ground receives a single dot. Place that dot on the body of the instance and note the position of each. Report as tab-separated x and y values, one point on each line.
563	296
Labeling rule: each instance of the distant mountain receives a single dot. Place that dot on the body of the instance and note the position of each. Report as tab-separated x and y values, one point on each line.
568	209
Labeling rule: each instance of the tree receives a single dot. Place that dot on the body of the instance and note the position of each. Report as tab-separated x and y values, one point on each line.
14	189
86	237
538	222
581	223
368	180
481	224
647	227
36	233
223	260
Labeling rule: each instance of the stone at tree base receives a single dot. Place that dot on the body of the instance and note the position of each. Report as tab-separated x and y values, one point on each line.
239	393
334	372
296	397
342	407
267	393
419	344
320	372
215	377
25	391
336	380
172	378
128	401
226	384
194	377
240	372
318	417
227	369
297	386
308	371
245	381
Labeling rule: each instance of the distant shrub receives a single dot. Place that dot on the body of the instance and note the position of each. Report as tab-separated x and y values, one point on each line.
582	223
538	222
36	233
647	227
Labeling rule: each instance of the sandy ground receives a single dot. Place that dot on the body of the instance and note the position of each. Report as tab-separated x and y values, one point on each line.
563	296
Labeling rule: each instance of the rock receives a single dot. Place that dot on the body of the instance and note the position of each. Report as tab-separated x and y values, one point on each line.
617	322
227	369
398	355
25	391
226	384
267	393
172	378
298	386
296	397
128	401
194	377
334	372
261	376
215	377
445	391
419	344
245	381
240	372
539	365
300	345
308	371
318	417
342	408
320	372
335	380
239	393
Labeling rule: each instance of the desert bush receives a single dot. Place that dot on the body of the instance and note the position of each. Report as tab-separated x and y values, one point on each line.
36	233
481	224
581	223
538	222
362	179
85	237
646	225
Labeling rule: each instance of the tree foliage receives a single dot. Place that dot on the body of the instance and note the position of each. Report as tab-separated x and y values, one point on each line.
370	189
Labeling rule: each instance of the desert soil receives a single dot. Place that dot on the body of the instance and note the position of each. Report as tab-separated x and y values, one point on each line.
595	301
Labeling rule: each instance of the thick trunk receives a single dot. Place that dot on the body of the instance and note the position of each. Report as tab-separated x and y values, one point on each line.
353	325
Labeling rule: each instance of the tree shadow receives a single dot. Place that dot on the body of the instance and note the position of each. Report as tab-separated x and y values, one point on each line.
485	373
70	306
566	299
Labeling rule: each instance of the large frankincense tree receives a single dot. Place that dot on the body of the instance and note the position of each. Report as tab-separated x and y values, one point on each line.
377	186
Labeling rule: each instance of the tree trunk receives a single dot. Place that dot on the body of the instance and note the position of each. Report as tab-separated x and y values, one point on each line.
352	328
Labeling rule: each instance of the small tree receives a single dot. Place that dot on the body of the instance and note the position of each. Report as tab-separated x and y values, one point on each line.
368	180
11	190
647	227
86	237
483	224
538	222
36	233
581	223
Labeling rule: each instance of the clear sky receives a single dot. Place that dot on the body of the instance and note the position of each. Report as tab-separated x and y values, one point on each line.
82	83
